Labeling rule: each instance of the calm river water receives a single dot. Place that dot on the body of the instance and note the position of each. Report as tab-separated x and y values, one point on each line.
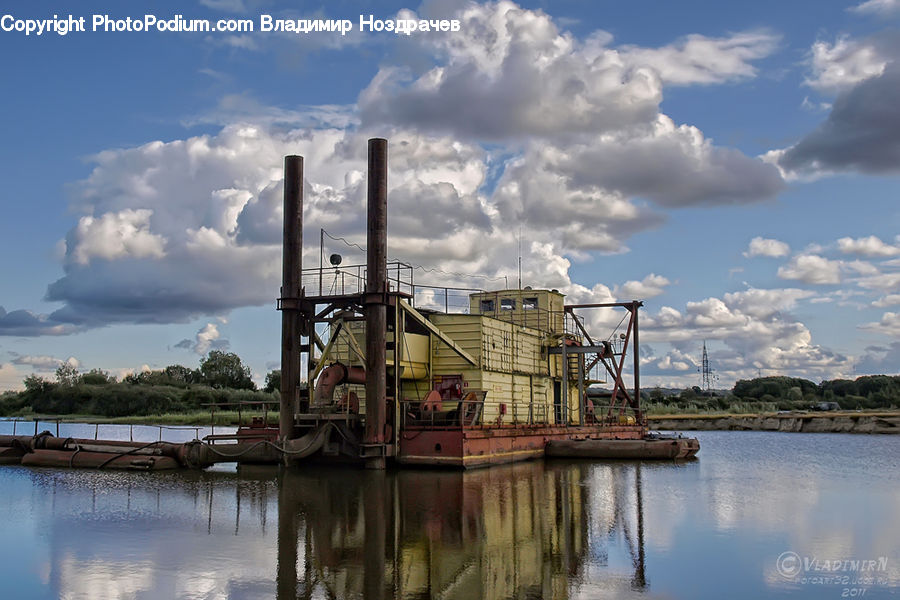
759	515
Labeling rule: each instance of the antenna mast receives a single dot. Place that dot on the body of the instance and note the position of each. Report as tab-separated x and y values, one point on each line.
520	256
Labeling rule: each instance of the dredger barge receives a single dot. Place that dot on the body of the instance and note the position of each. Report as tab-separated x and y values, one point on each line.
371	376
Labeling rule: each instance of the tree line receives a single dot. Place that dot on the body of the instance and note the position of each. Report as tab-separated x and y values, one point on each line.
220	378
789	393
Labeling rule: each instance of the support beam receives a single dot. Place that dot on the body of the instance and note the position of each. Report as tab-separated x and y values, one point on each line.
636	403
579	350
619	384
319	344
435	331
578	324
326	351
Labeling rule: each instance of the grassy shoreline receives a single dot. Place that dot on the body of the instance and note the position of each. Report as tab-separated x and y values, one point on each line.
193	419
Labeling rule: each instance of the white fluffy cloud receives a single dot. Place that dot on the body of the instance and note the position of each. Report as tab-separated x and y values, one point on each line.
649	287
45	363
888	325
763	304
867	246
760	246
674	360
504	76
813	269
878	7
888	300
507	72
843	64
672	165
115	235
698	59
207	338
757	330
160	243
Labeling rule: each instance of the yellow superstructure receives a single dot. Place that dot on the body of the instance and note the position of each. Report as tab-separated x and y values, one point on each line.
500	347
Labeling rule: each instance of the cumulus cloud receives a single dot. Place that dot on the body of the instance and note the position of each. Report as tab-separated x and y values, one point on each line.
757	330
760	246
697	59
207	338
504	76
862	133
509	70
882	282
888	300
161	243
215	200
649	287
888	325
674	360
841	65
43	362
813	269
880	359
586	217
766	303
114	236
878	7
687	169
867	246
25	323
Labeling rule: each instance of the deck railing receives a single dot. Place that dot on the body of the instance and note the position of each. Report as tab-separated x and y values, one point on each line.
350	280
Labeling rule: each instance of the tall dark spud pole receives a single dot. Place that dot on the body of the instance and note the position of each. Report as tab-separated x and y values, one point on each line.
291	292
376	290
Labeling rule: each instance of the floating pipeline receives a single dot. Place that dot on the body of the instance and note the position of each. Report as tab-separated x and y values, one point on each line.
97	460
45	450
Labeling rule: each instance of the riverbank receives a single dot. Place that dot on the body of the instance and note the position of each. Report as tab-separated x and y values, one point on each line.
832	422
194	419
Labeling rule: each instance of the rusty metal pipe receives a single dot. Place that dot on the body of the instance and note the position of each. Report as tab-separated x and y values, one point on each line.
332	377
291	293
376	291
97	460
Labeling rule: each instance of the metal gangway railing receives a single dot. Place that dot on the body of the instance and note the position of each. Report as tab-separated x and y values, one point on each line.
350	280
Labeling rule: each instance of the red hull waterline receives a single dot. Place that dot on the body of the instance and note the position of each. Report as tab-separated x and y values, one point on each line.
479	447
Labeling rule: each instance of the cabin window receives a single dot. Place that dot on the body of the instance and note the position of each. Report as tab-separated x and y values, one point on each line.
529	303
487	306
507	304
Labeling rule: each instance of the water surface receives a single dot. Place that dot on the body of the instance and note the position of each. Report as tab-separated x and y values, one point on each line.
712	528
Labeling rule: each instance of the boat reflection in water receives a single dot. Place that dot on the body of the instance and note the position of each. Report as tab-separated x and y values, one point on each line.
539	529
532	530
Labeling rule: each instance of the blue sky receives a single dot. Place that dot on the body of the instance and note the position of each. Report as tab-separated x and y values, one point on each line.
733	165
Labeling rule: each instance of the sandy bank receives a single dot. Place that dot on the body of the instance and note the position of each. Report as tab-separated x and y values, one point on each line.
794	422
